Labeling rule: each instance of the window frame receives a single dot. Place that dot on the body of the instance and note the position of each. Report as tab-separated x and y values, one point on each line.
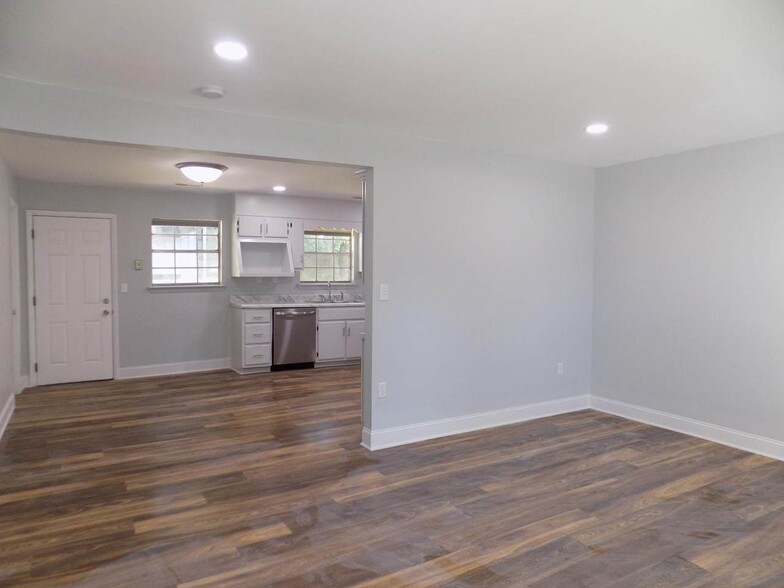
211	223
352	261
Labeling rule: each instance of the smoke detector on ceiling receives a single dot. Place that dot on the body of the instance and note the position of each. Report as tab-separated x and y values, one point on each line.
212	92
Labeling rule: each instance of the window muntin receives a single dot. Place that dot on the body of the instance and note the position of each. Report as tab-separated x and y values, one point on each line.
328	257
185	252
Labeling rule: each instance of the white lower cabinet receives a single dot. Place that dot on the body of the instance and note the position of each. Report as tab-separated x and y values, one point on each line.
338	338
354	332
251	340
257	355
340	332
331	340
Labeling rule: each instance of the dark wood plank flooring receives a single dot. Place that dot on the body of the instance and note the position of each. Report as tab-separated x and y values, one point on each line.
226	480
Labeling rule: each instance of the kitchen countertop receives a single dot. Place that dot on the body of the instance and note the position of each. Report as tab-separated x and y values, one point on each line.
254	302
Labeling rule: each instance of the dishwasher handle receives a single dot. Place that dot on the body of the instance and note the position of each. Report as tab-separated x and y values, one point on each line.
294	312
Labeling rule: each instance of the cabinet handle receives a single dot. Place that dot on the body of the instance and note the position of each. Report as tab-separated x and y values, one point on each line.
349	331
259	355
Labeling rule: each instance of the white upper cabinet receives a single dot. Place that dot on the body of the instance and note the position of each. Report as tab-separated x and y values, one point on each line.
276	228
261	247
250	226
261	226
297	237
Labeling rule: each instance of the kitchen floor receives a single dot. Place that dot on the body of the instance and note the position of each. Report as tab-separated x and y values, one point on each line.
226	480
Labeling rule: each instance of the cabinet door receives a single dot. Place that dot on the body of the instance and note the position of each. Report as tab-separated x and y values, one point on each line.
297	238
331	340
276	228
250	226
354	330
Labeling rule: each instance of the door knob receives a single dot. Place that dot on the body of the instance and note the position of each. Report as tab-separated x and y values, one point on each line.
106	301
105	313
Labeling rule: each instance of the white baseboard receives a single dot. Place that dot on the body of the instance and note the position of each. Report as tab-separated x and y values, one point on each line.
166	369
6	412
718	434
394	436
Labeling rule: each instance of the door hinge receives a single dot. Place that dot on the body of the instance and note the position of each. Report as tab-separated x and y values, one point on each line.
36	366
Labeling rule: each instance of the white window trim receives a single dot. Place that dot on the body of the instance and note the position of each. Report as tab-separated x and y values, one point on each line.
322	285
184	287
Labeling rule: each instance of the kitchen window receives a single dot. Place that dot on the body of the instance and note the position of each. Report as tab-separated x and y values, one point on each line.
186	253
328	257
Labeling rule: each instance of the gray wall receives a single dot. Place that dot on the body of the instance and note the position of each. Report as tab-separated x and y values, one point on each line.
7	372
160	326
689	285
489	257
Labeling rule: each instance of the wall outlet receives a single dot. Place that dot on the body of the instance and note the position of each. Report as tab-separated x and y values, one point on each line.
383	292
382	389
561	369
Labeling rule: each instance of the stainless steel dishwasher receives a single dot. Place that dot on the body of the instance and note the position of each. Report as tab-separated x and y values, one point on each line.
293	337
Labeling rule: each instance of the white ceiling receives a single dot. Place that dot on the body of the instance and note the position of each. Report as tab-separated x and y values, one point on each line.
522	76
95	164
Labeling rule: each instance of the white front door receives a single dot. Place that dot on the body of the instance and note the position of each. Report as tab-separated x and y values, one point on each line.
73	305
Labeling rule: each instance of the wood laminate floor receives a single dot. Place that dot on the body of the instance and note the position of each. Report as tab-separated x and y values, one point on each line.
226	480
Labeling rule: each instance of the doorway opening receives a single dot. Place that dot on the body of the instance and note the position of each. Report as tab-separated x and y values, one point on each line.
195	270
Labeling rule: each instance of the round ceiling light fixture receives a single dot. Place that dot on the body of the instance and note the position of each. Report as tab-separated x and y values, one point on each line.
279	188
231	50
597	128
198	171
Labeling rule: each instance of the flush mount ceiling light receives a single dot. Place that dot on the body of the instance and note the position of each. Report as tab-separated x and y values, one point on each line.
597	129
201	172
231	50
279	188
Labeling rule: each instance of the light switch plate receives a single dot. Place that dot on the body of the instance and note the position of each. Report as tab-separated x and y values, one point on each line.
137	264
124	288
383	293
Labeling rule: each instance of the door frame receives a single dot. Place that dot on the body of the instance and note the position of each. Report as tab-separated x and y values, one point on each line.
31	330
16	299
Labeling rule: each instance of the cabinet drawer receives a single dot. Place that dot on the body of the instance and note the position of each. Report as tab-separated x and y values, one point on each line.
258	333
345	313
257	355
257	315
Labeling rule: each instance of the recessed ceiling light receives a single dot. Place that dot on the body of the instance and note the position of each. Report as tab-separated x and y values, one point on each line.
597	129
231	50
279	188
198	171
